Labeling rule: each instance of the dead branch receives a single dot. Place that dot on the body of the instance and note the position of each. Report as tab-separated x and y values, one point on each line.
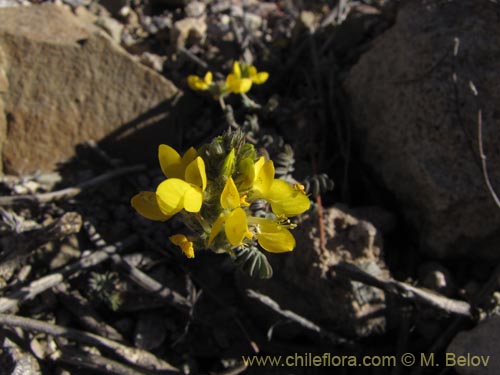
93	362
27	242
80	307
71	191
266	300
407	291
482	155
172	297
132	355
38	286
29	292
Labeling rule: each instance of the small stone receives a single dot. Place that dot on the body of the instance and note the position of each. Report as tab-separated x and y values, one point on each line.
252	22
434	276
49	180
195	9
112	27
189	29
308	20
153	61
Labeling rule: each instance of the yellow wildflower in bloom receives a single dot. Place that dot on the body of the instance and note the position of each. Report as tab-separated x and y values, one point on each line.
183	242
240	80
200	84
183	189
213	188
272	236
234	218
284	199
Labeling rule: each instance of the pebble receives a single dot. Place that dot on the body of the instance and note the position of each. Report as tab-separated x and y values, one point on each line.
195	9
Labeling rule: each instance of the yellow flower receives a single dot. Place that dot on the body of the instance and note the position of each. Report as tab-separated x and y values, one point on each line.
183	189
240	80
284	199
145	204
200	84
171	163
234	219
257	77
272	236
183	242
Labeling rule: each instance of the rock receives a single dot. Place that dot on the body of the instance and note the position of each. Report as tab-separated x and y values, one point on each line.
112	27
476	346
189	29
153	61
303	280
68	83
436	277
195	9
417	130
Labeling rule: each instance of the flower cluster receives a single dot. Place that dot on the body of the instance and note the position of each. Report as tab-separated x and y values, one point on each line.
239	81
213	188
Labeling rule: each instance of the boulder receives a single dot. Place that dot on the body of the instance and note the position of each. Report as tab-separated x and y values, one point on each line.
305	281
476	352
62	82
416	126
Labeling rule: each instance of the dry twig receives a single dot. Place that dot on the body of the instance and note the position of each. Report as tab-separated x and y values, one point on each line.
266	300
93	362
38	286
132	355
172	297
71	191
407	291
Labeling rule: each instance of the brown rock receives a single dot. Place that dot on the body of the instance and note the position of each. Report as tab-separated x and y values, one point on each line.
304	283
68	83
417	129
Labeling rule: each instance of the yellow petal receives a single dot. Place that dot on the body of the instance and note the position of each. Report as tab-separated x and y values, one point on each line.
170	195
145	204
183	242
257	78
189	156
193	82
196	83
260	78
216	228
259	164
280	241
170	162
208	78
244	85
236	227
285	200
237	69
193	199
264	178
195	173
230	197
246	174
238	85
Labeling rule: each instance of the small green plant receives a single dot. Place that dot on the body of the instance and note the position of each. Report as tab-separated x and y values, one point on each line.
215	187
239	81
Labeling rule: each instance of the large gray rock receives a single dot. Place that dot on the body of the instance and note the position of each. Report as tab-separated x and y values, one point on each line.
476	352
417	129
62	82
